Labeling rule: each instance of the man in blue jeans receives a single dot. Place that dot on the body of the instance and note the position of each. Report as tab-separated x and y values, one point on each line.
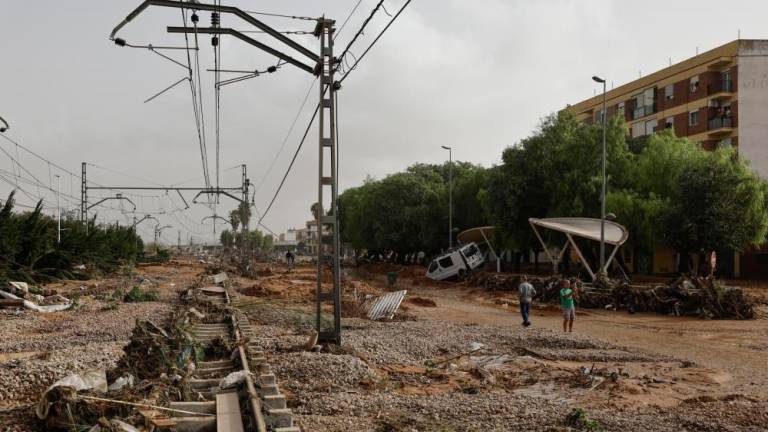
526	296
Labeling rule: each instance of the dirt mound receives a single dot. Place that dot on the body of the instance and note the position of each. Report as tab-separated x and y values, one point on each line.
423	302
258	290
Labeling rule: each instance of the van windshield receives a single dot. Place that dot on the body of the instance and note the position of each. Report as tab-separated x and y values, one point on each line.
432	266
446	262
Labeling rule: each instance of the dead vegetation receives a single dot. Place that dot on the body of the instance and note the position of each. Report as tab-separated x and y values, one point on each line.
700	297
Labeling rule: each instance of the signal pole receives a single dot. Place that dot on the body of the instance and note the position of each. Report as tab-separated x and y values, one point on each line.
83	198
58	209
327	249
322	65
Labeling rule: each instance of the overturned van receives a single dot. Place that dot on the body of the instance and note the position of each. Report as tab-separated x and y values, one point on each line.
456	263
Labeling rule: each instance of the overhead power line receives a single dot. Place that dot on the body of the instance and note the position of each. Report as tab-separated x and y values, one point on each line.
344	24
374	41
287	136
290	166
281	15
39	157
360	30
303	138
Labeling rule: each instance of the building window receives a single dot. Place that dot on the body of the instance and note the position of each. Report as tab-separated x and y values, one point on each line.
638	129
724	143
650	126
694	84
669	92
726	81
693	118
599	117
644	103
620	109
669	123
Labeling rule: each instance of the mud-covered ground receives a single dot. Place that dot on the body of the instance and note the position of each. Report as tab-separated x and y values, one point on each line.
639	372
621	372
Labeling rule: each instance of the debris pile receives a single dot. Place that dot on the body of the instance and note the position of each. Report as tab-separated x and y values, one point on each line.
702	297
19	294
152	372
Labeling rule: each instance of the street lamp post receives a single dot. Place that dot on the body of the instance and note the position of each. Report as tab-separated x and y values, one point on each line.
602	193
58	209
450	196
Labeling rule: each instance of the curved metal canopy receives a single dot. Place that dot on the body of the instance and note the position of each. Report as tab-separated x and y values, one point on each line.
588	228
477	234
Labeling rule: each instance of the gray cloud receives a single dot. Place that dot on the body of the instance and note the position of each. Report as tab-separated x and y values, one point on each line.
475	75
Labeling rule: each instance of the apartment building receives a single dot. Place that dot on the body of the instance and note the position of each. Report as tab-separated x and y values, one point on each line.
718	99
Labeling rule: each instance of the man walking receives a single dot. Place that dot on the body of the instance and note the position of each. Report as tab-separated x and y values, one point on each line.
290	259
526	296
566	302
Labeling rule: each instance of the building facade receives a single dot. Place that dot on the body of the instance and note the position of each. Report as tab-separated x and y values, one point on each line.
717	99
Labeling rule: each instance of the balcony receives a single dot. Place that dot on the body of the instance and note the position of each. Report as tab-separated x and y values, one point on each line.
720	90
643	111
720	126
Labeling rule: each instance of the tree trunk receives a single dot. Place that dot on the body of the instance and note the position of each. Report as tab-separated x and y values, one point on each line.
636	260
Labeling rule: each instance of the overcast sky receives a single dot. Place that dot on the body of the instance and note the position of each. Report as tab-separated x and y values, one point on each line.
475	75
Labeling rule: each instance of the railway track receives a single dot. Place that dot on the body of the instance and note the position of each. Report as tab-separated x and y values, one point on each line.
255	404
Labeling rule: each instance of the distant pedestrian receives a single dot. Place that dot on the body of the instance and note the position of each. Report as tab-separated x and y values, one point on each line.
290	259
566	302
527	291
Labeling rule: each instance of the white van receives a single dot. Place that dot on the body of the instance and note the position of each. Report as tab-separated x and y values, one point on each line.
456	263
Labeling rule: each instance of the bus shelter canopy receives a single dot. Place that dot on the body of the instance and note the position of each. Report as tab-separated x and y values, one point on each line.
587	228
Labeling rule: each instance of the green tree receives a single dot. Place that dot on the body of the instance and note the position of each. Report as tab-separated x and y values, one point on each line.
30	252
556	172
226	238
720	204
408	211
234	219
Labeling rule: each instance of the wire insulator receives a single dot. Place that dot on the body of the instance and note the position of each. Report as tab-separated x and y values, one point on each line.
215	19
120	42
215	41
195	18
272	69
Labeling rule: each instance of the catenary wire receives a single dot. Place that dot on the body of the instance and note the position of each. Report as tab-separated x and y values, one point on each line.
375	40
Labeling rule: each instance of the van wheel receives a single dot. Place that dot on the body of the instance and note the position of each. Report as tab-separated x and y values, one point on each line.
462	274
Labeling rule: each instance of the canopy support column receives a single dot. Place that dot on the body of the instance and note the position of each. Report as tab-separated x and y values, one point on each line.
581	256
493	251
544	245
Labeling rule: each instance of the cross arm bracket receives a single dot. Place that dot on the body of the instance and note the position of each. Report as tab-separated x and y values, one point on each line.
246	39
112	198
216	8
